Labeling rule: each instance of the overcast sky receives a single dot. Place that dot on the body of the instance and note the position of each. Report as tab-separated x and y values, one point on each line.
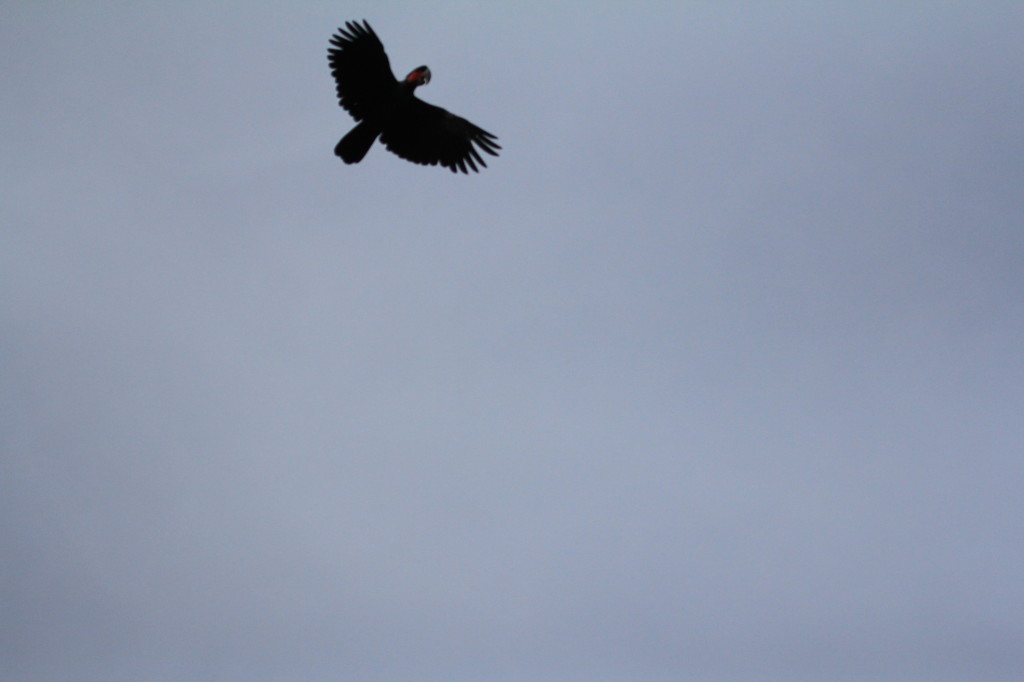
716	373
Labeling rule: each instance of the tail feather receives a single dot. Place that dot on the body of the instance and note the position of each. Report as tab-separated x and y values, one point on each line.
353	147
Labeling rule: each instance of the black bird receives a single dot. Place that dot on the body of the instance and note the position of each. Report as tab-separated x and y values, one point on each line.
385	106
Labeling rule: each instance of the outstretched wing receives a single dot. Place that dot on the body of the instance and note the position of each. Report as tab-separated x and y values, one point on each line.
429	135
362	72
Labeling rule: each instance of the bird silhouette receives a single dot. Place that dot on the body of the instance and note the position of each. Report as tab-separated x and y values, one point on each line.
388	108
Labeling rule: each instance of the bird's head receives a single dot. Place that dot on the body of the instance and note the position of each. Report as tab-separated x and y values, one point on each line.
418	76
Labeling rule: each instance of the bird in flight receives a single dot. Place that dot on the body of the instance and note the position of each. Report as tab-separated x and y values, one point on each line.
387	107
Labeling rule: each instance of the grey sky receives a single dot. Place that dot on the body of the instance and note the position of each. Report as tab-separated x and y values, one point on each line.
715	374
